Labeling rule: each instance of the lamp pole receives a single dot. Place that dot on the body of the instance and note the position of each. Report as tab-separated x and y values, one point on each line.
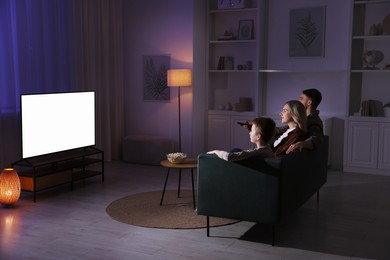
179	78
178	96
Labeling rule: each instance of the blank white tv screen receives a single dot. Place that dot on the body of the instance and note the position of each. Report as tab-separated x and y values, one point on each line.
57	122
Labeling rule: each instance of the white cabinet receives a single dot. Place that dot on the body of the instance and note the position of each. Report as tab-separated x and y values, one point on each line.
224	132
362	144
384	146
367	148
218	132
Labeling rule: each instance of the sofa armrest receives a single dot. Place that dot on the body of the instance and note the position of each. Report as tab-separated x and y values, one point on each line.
231	190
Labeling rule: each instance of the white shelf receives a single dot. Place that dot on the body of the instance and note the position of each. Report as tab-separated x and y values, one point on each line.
302	71
249	114
371	2
372	71
233	71
372	37
370	118
233	10
231	41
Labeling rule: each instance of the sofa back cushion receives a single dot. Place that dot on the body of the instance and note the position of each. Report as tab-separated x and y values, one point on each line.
265	165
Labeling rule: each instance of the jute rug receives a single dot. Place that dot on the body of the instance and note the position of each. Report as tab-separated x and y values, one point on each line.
144	210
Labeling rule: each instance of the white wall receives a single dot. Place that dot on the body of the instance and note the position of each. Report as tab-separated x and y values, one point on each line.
334	84
155	27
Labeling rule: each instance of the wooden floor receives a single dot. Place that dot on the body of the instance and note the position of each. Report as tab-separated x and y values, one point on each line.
351	221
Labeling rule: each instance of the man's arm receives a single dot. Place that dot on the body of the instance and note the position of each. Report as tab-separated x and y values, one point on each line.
315	139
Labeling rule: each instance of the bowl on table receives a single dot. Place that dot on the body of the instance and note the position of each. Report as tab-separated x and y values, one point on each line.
176	157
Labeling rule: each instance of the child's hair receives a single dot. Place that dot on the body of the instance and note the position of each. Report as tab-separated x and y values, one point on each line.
265	126
298	113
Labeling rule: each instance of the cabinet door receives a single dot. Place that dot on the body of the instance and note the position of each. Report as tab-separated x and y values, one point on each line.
240	135
218	132
362	144
384	146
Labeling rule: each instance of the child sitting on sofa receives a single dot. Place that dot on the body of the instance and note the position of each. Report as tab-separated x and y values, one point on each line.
261	132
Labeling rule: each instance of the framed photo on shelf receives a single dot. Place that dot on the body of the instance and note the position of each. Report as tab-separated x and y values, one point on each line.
307	32
245	30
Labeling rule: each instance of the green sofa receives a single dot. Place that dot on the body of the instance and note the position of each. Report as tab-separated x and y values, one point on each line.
264	191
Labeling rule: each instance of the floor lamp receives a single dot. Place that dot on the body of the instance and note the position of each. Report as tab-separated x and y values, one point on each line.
179	78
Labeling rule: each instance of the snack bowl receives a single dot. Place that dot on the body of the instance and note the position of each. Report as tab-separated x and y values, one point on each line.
176	157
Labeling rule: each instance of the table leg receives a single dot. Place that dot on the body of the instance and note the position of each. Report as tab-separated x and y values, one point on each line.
178	189
165	185
193	190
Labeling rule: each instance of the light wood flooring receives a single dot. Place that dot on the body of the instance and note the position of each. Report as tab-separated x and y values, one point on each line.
351	221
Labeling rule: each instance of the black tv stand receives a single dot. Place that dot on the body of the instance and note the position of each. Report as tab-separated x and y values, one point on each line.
51	170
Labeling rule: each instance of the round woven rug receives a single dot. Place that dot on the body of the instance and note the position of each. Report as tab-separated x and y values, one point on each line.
144	210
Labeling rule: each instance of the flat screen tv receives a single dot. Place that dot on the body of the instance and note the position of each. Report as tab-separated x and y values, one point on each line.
57	122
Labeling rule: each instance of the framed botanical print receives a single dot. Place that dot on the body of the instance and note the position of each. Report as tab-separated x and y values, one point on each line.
307	32
155	78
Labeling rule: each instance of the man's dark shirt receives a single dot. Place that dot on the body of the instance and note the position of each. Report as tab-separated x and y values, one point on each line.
315	128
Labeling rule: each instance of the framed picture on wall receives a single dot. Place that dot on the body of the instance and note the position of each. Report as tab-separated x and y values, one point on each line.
245	30
307	32
155	78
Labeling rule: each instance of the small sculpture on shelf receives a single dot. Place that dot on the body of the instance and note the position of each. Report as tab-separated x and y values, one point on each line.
376	29
227	36
371	59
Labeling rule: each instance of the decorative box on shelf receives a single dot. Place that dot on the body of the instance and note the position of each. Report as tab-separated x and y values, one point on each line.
231	4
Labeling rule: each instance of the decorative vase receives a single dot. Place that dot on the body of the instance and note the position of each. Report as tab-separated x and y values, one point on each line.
371	58
9	187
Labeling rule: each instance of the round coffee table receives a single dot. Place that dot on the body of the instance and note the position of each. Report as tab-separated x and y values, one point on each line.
188	163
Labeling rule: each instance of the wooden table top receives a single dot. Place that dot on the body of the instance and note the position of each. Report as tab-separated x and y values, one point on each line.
186	164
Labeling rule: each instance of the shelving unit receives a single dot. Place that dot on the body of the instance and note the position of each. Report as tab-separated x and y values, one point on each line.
48	171
367	138
368	83
227	84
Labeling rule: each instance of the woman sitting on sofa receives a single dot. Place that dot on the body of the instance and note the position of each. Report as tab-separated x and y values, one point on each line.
293	115
261	132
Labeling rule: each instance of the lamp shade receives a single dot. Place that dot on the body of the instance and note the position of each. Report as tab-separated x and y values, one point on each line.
179	78
9	187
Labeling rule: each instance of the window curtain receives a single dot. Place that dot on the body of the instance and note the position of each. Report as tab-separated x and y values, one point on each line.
58	46
99	65
36	56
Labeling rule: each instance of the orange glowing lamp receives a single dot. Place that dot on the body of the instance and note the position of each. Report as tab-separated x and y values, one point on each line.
9	187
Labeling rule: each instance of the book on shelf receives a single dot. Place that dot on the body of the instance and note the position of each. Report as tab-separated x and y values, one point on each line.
226	63
221	63
229	63
372	108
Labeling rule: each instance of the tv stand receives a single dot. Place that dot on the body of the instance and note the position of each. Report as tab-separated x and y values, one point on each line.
51	170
